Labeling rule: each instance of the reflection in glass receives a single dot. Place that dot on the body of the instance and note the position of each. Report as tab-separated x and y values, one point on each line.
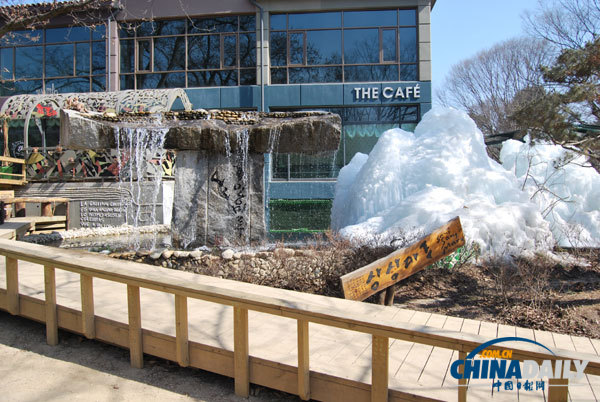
248	23
15	38
386	72
212	78
6	63
408	44
144	56
28	62
379	18
98	57
82	59
315	20
407	17
278	21
302	75
229	51
98	32
127	82
203	52
99	83
296	48
324	47
247	50
127	56
213	25
278	76
169	53
248	76
278	48
64	85
408	72
361	46
28	87
72	34
169	80
389	45
59	60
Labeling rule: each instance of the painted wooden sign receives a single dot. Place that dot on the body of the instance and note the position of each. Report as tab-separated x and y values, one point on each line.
372	278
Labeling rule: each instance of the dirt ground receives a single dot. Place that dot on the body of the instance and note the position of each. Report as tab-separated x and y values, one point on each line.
538	293
79	369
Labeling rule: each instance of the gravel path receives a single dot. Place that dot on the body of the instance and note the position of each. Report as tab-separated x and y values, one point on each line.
82	370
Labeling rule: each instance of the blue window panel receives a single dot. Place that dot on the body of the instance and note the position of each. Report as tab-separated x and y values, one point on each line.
6	63
70	34
29	62
407	17
315	20
324	47
361	46
82	59
408	44
379	18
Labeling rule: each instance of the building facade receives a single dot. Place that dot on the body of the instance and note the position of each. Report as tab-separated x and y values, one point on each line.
370	62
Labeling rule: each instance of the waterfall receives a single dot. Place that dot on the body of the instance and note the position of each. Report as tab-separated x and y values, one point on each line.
140	155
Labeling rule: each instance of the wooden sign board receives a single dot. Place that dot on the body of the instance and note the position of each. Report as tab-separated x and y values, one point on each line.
372	278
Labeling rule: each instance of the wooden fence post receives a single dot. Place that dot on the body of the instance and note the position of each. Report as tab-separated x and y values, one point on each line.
88	319
303	361
379	369
462	383
51	317
12	285
181	331
241	362
136	349
558	390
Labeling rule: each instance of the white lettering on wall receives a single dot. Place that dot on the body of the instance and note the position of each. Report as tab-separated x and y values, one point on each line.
387	92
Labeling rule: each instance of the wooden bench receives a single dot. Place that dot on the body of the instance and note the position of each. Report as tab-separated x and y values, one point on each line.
7	178
14	230
47	221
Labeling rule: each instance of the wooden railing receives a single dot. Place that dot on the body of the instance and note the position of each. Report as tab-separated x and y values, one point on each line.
12	177
137	276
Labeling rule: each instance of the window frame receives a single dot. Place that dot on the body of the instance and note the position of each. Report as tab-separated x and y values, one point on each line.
187	34
44	78
287	31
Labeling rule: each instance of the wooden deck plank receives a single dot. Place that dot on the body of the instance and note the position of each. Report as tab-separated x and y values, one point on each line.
579	390
488	329
439	360
585	345
214	321
417	358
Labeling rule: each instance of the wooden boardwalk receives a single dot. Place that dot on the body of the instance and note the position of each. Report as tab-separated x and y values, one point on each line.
338	354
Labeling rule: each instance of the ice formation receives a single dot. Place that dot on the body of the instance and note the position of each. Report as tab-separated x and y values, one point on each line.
565	188
417	182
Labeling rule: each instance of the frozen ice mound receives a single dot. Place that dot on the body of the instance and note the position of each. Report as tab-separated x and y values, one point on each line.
417	182
563	185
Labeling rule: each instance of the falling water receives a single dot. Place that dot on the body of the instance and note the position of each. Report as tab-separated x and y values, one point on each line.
241	188
141	154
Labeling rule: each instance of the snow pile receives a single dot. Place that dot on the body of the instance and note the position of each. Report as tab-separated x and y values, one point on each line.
417	182
566	191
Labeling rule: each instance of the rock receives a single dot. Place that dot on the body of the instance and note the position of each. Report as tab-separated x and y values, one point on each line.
227	254
284	252
164	264
167	254
263	255
306	253
196	254
142	253
181	254
237	255
156	255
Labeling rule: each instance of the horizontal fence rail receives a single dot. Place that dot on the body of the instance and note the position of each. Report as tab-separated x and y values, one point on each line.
305	311
12	171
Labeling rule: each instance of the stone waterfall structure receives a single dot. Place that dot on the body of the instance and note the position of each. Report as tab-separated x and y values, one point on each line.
219	170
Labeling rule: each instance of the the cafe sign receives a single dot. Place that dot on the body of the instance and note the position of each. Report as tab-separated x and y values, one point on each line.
374	93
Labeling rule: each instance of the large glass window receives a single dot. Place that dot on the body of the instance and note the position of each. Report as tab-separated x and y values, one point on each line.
70	59
356	46
361	128
197	52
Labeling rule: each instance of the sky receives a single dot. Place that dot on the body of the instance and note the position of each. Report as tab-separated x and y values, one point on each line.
461	28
